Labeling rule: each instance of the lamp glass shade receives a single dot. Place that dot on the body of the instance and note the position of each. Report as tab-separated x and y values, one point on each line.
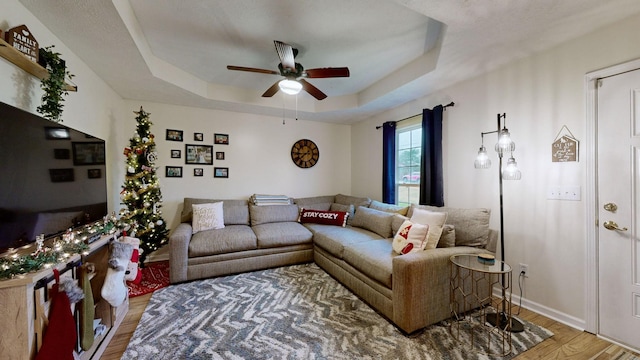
505	144
290	87
482	160
511	171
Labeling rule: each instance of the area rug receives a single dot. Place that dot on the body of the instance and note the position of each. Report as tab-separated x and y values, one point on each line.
154	276
294	312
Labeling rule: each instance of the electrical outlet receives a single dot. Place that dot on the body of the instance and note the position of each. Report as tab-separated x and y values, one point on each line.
524	268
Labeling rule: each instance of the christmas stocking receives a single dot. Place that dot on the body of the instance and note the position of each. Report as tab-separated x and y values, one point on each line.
114	290
87	311
60	336
133	272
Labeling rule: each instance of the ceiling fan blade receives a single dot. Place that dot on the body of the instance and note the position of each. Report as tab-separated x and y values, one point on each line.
314	91
285	53
272	90
330	72
262	71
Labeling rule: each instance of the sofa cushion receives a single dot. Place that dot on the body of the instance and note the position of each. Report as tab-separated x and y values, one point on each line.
377	205
410	238
334	238
352	200
448	237
435	220
207	216
472	225
272	214
236	212
219	241
336	218
346	208
315	202
372	258
396	222
281	234
375	220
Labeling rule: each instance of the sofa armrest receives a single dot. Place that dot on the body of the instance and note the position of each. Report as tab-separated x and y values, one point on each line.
179	252
421	294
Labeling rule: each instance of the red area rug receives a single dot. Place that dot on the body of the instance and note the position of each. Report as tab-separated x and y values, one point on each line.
154	276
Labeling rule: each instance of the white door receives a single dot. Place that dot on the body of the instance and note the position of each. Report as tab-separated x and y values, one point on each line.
618	165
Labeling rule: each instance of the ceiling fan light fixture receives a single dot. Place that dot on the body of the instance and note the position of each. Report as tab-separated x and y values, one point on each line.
290	87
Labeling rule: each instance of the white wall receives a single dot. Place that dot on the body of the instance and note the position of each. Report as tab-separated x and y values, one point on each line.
95	109
258	155
539	94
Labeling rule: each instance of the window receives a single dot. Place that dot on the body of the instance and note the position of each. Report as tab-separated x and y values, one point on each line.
409	151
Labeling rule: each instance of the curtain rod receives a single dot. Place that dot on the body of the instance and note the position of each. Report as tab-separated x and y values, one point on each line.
444	107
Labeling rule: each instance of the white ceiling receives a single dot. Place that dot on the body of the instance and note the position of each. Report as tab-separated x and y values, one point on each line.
176	51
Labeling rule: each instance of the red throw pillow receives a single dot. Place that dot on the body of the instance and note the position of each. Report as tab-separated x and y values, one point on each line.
338	218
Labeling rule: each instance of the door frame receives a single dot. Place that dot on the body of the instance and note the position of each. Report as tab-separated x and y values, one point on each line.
591	193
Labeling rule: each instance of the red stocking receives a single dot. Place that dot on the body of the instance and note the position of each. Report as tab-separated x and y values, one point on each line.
60	336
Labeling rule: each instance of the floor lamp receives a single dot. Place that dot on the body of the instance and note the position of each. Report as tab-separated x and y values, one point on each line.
510	172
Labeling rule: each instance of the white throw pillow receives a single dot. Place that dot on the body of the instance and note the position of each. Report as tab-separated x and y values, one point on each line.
207	216
435	220
411	237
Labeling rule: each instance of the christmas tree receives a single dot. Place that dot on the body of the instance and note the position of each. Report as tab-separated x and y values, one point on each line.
142	215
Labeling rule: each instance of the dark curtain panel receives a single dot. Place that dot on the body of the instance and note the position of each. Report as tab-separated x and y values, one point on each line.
431	179
389	162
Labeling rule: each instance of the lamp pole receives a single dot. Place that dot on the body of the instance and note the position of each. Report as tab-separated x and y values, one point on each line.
500	317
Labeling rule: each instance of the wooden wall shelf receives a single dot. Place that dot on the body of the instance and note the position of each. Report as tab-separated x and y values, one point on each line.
15	57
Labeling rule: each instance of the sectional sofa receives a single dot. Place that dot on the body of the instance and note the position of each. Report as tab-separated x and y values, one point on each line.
411	290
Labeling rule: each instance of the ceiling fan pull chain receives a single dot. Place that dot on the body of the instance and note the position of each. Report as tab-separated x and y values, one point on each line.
296	107
283	110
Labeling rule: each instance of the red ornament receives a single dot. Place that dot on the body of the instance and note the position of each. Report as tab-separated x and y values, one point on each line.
127	151
139	151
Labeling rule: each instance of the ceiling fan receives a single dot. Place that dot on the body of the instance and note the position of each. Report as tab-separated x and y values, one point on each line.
294	73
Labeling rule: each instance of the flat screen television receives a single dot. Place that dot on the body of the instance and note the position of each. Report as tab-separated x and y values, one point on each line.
52	178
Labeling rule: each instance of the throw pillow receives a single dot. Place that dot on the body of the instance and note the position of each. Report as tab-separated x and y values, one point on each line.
348	208
435	220
448	237
402	210
207	217
338	218
410	238
373	220
472	225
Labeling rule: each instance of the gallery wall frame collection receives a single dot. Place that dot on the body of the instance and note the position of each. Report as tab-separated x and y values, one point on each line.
197	154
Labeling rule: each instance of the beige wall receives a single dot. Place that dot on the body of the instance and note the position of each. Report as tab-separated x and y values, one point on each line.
539	94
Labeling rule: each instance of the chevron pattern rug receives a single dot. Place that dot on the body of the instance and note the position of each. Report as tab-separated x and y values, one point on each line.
294	312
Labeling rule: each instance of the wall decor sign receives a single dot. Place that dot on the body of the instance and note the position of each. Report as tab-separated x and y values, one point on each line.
221	172
221	139
565	148
22	40
61	175
173	171
174	135
198	154
88	153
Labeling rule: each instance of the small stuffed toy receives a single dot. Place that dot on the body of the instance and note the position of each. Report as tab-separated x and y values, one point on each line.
114	290
133	273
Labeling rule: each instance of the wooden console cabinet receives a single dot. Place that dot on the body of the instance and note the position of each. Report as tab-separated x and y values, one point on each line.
20	302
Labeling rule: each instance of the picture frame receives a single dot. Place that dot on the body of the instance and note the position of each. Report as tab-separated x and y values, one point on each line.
61	154
94	173
174	135
61	175
173	171
221	172
175	154
88	153
221	139
198	172
198	137
198	154
56	133
219	155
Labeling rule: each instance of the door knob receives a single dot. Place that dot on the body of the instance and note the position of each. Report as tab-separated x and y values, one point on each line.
611	207
611	225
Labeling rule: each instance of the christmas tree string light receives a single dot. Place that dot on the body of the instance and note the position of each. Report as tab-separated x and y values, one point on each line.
141	215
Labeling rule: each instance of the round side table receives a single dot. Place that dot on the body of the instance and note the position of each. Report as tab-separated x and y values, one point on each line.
471	282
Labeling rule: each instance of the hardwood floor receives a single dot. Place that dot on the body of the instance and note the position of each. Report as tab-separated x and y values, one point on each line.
566	343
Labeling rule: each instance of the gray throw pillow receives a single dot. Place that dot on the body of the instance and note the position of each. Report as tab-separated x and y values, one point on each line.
376	221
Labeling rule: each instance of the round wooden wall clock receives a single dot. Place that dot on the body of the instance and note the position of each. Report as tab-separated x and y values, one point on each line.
305	153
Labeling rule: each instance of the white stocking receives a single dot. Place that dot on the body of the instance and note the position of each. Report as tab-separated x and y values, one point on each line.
114	289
